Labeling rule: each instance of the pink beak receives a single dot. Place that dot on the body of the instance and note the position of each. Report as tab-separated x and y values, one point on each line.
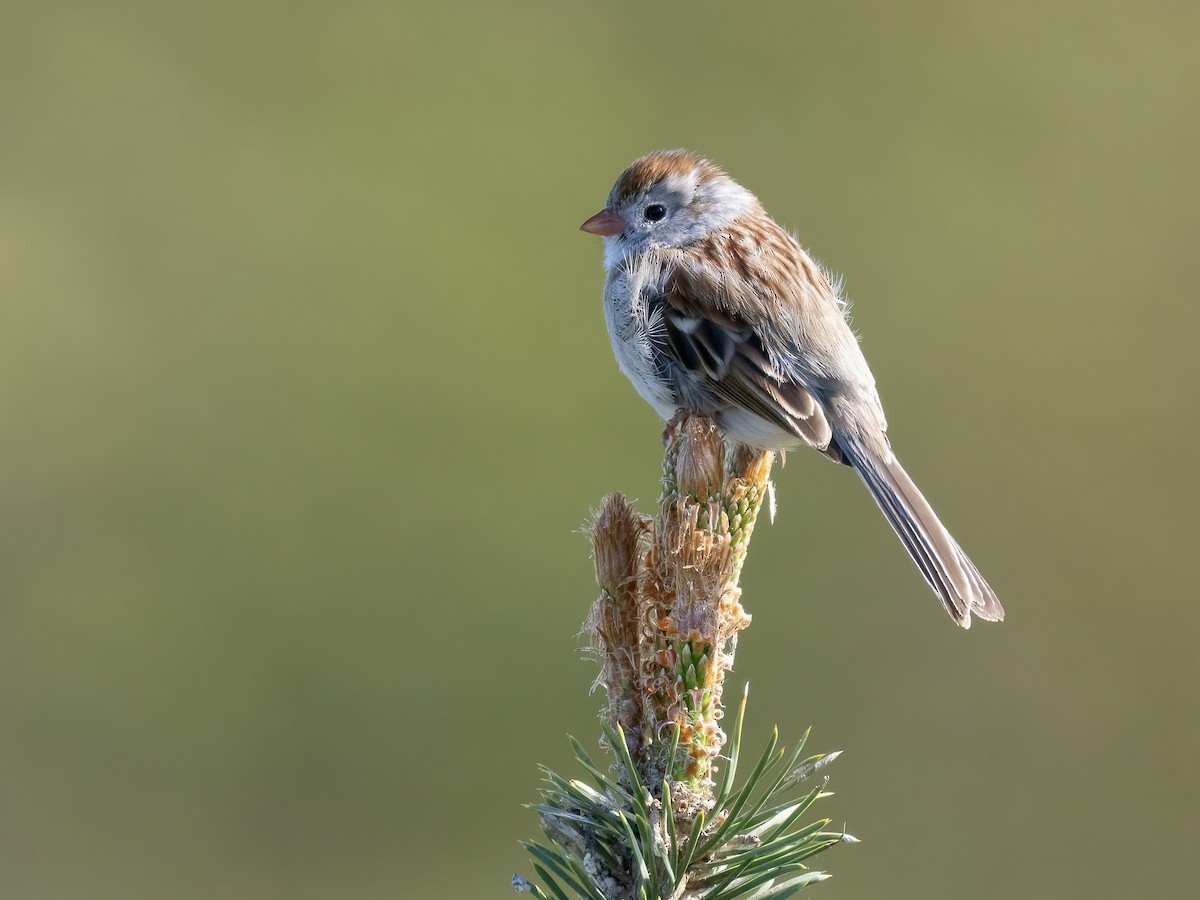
606	223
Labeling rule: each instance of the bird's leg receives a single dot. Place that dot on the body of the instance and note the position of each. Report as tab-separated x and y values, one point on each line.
675	420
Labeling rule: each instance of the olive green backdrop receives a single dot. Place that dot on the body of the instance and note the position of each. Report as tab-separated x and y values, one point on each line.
305	394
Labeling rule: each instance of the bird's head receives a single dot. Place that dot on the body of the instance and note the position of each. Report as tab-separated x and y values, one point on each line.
670	198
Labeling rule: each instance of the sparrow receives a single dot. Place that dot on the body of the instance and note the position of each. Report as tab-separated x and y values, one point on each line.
713	307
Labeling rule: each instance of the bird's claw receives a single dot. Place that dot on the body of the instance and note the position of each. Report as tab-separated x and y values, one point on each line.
674	422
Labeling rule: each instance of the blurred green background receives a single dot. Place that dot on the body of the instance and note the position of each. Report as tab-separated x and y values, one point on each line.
305	393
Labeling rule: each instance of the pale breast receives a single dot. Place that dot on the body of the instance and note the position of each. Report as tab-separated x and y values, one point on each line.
632	324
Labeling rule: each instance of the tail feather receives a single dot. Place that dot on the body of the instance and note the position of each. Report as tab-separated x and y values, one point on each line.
941	560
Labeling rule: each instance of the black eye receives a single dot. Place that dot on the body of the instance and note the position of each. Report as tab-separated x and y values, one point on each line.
656	212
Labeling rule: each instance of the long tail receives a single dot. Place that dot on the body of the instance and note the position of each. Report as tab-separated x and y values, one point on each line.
945	566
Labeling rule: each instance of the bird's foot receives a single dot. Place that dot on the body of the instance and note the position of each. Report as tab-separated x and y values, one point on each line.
674	422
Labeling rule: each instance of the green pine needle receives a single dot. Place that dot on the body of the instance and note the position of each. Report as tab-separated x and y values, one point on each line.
604	843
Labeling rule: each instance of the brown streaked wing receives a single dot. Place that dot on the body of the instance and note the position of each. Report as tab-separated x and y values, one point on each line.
727	354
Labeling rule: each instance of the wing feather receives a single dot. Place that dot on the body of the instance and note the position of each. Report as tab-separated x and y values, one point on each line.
726	354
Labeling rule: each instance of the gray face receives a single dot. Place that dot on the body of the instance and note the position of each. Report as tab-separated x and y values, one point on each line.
675	212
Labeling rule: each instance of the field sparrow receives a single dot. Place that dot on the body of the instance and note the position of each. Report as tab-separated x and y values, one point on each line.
712	306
